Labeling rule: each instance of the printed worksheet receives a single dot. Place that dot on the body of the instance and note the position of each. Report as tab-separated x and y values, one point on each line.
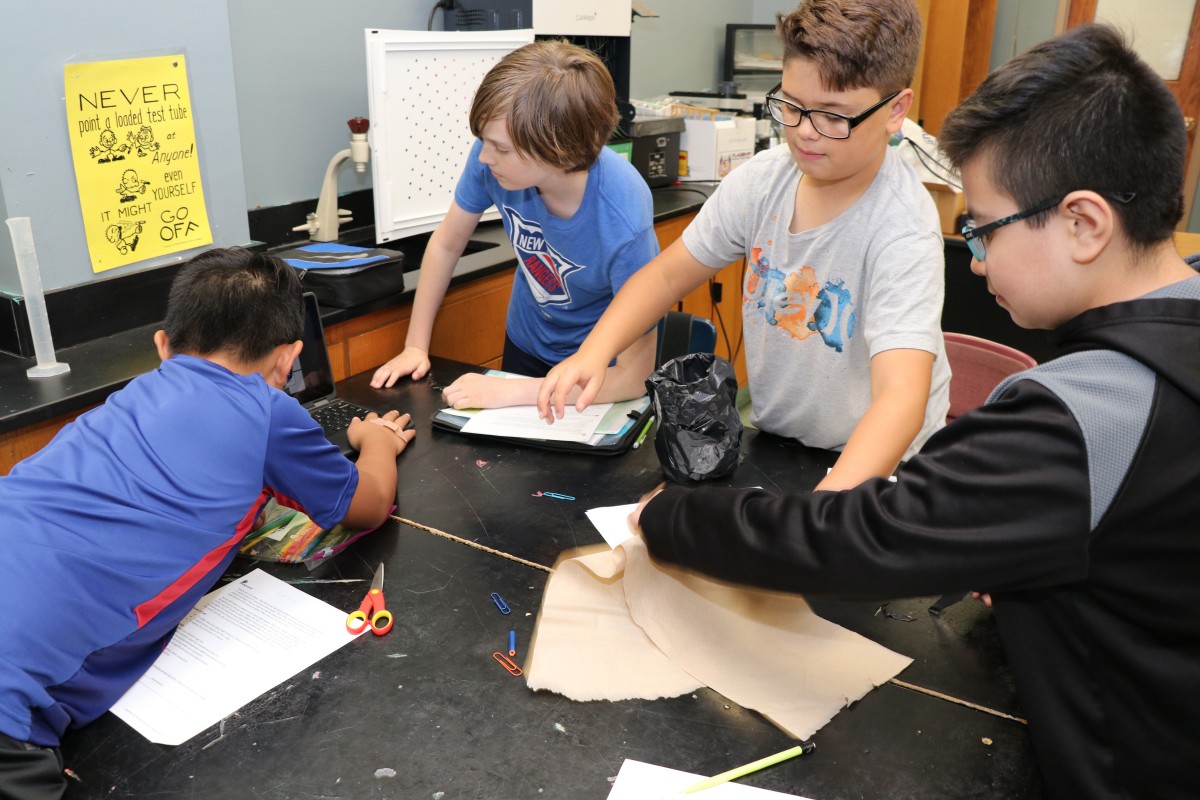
239	642
522	422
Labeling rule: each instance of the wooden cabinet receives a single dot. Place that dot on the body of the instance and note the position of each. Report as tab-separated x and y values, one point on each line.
955	55
470	328
726	313
24	442
470	323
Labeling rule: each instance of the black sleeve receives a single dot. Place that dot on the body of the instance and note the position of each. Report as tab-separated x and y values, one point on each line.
998	500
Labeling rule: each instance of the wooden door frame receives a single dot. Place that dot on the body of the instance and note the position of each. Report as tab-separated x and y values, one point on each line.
1072	13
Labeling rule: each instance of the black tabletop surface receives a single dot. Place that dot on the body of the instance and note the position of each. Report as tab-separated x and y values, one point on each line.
428	702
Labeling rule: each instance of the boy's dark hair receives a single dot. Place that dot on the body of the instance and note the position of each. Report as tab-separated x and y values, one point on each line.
560	102
855	44
1079	111
234	301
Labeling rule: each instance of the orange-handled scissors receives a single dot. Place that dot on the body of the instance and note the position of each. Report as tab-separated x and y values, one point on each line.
372	611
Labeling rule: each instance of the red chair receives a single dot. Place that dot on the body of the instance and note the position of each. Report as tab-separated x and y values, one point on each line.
977	366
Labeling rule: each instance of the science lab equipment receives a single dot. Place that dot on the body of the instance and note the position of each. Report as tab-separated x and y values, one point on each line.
35	300
322	224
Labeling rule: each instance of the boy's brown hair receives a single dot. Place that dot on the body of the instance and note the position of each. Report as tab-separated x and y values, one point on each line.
559	99
855	44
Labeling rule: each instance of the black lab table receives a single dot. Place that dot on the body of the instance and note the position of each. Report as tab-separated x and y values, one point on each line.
426	710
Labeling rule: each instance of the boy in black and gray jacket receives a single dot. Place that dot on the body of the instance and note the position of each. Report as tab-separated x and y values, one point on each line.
1071	496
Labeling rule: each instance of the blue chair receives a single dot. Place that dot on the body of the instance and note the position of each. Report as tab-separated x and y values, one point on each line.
680	333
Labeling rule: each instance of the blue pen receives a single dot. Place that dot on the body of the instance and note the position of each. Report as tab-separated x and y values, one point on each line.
512	643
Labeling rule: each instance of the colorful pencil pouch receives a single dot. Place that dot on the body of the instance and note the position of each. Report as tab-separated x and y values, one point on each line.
289	536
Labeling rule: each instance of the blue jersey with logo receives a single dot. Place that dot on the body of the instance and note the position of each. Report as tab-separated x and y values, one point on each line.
567	270
119	525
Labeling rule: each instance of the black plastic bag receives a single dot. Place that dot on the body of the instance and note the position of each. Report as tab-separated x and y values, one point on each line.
699	430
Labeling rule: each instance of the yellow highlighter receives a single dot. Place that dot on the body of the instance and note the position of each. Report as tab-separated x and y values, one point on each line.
753	766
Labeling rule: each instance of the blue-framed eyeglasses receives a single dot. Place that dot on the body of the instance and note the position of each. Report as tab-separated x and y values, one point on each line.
827	123
976	237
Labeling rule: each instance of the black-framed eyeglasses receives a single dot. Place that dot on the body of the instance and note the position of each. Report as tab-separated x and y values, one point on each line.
827	123
976	237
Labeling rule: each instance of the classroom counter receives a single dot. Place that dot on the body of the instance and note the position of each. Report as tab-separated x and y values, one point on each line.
101	366
428	703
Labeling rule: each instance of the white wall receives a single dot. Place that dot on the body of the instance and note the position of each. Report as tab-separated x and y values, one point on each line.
297	86
683	49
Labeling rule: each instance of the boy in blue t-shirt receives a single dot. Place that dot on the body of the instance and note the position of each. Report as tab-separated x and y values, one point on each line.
133	511
579	217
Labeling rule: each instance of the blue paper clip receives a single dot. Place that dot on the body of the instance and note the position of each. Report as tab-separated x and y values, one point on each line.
557	496
500	604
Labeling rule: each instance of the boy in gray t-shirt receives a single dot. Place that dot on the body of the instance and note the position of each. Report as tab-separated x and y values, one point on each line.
844	279
820	304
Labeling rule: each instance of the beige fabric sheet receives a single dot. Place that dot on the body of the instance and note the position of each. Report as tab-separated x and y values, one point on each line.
615	625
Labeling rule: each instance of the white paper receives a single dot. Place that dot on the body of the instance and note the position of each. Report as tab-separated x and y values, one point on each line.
523	422
237	643
640	781
616	420
612	522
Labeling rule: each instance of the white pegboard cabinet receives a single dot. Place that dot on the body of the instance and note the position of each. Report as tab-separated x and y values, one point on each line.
420	86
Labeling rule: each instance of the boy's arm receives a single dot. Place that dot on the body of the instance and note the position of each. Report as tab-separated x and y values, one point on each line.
445	248
624	380
646	296
900	381
379	441
1005	481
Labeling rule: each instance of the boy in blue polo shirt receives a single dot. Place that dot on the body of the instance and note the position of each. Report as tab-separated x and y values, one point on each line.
133	511
579	217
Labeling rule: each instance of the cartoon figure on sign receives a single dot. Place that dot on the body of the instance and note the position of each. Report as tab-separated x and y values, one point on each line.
124	235
143	140
130	186
108	148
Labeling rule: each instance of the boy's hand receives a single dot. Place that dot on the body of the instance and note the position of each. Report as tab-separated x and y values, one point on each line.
983	597
390	430
577	370
635	519
473	390
412	362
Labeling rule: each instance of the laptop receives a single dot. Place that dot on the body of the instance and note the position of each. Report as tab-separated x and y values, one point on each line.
311	382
